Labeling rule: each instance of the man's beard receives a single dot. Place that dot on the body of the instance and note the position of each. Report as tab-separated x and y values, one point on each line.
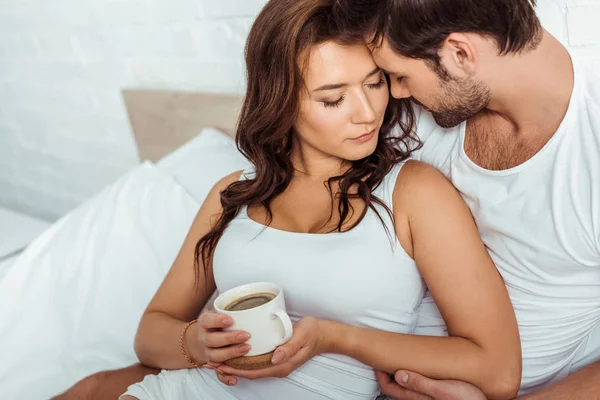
459	101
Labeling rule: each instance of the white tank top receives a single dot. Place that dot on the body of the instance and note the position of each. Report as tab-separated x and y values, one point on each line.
541	224
360	277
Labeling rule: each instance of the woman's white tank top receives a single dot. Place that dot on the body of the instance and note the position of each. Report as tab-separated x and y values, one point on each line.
361	277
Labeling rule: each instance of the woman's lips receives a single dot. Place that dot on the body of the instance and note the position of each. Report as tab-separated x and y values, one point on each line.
365	138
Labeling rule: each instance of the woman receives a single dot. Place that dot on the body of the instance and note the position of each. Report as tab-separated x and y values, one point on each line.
333	213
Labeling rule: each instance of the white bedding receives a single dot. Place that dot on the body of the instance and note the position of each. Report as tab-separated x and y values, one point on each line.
17	230
203	161
6	263
70	304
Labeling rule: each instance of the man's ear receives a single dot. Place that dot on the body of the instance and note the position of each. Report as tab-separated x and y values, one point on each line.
459	55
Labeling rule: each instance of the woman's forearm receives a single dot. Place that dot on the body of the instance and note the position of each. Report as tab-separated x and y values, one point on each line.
435	357
157	342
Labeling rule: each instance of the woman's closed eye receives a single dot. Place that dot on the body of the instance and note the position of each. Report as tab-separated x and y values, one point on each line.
336	103
374	86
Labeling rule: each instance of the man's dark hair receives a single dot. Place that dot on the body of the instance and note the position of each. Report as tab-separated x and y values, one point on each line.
418	28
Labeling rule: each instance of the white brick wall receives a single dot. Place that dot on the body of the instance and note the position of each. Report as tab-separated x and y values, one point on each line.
64	131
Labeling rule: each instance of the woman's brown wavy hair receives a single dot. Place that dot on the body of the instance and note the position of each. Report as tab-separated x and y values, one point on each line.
284	31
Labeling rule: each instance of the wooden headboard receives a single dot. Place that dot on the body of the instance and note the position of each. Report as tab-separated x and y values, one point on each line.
164	120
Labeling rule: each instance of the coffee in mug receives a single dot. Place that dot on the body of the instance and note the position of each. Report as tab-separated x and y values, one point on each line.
250	301
259	309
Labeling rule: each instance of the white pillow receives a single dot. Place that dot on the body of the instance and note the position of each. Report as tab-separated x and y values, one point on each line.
72	302
203	161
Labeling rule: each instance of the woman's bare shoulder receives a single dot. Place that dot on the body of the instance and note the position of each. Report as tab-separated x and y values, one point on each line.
418	181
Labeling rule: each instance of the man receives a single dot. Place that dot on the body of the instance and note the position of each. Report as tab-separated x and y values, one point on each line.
514	122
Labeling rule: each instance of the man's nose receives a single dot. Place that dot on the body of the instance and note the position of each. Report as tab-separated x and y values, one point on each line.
399	90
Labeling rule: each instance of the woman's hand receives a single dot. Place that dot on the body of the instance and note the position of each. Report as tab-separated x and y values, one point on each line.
310	339
213	345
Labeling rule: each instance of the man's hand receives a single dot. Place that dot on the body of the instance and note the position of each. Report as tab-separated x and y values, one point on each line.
412	386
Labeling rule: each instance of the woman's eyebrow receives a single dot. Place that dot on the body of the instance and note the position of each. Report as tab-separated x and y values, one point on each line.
332	86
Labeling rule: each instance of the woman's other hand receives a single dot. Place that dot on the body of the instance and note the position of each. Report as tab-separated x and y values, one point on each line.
311	337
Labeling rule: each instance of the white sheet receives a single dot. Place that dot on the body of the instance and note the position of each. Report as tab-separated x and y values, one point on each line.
17	230
6	263
71	303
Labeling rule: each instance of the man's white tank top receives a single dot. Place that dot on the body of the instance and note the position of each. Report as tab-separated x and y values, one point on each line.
541	224
361	277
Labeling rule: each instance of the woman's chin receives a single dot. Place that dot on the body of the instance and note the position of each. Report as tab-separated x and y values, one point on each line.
361	151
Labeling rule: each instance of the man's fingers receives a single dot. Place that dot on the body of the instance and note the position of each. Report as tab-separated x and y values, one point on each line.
222	339
227	353
383	378
227	379
213	320
390	388
418	383
397	392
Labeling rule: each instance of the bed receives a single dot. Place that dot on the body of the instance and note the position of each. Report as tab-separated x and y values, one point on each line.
17	230
70	303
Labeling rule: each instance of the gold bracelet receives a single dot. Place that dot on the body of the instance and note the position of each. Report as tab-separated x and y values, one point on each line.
182	347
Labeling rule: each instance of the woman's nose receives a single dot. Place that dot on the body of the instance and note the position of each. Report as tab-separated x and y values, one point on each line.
364	113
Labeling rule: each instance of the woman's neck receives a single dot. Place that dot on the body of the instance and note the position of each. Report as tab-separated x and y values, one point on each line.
317	165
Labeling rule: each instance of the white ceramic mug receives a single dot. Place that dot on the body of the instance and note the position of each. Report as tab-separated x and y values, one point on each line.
269	325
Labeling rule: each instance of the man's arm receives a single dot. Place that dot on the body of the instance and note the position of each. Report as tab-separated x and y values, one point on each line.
582	385
107	385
